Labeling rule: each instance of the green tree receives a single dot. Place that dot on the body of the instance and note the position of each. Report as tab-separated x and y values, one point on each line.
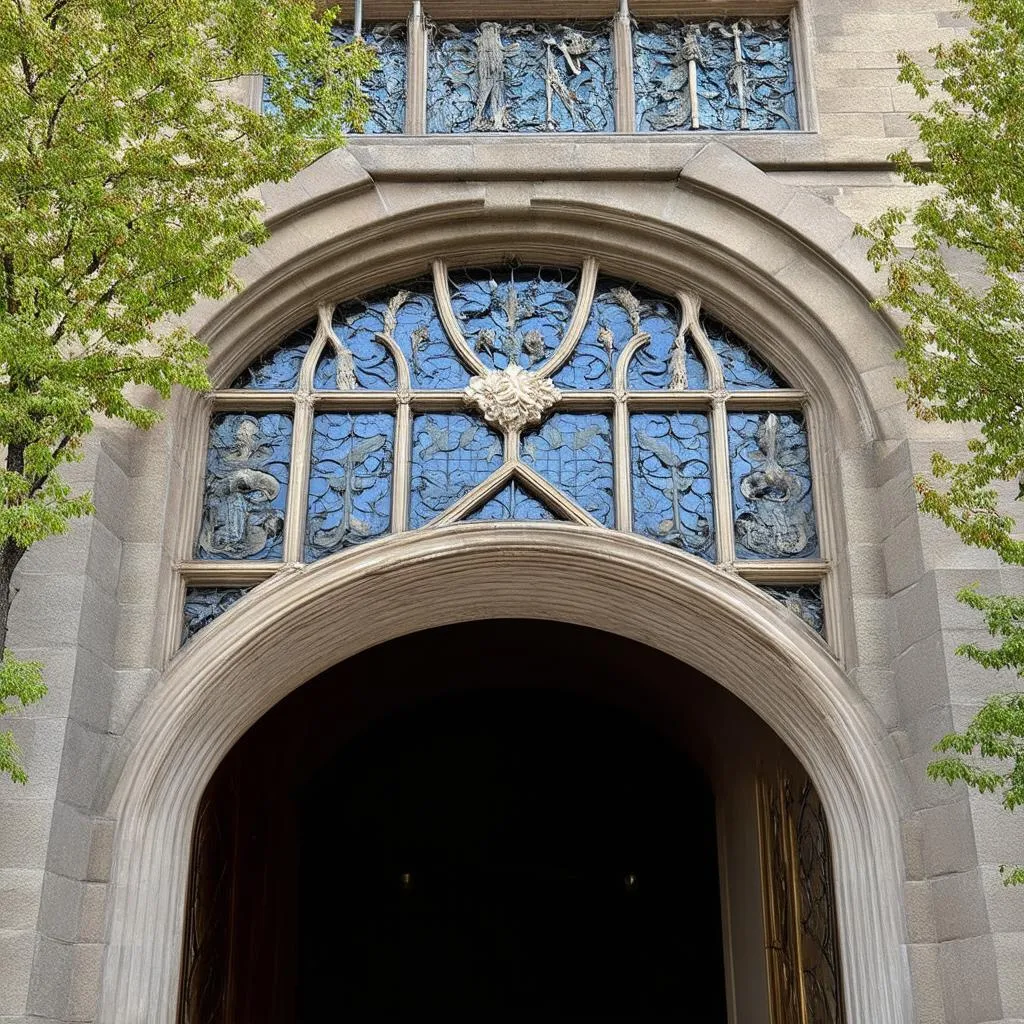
963	341
127	178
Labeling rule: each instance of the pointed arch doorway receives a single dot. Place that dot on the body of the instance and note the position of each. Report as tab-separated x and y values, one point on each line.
508	817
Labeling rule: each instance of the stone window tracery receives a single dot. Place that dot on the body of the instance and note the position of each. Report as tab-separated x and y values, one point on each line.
514	393
612	75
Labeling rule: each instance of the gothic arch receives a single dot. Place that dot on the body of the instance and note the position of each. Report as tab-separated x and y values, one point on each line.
247	662
769	260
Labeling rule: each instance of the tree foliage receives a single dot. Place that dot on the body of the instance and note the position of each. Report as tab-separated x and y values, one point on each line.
963	342
127	177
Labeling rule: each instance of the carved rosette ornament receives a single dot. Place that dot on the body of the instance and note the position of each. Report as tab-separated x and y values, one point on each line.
512	398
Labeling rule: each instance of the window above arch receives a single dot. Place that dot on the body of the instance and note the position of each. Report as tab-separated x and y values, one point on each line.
508	393
578	68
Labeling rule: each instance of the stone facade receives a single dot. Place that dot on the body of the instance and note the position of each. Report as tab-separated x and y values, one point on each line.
93	851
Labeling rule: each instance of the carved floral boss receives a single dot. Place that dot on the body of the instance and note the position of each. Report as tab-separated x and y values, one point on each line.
512	398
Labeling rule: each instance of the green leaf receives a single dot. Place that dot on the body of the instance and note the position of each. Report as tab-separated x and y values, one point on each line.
129	176
963	344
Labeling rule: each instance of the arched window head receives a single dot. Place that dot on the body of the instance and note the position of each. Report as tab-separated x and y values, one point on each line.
500	394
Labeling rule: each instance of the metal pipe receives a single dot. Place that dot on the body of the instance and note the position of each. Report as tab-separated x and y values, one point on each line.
624	9
417	9
357	26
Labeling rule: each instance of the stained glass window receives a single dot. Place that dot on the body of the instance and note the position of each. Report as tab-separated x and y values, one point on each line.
727	75
520	78
385	88
731	74
204	604
515	393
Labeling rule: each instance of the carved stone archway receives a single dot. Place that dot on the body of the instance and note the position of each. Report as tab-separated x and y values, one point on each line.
308	619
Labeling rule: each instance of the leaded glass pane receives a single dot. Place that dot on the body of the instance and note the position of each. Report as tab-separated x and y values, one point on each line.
803	601
451	454
350	481
573	451
247	468
620	311
490	77
385	88
279	369
667	361
432	361
362	359
742	369
516	315
671	463
771	483
740	74
512	502
204	604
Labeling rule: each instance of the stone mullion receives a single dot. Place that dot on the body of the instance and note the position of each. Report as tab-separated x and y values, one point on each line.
298	479
670	401
721	478
621	465
355	401
401	472
622	46
835	627
416	74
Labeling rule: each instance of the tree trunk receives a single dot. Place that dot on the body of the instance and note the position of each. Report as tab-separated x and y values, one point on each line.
10	556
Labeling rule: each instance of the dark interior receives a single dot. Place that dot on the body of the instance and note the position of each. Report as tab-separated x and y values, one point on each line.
472	821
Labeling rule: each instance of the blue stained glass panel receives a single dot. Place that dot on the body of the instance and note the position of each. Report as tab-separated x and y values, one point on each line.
385	88
247	468
204	604
743	369
514	315
350	481
365	361
573	451
771	484
656	366
410	316
279	369
520	78
744	78
672	495
451	454
804	601
512	502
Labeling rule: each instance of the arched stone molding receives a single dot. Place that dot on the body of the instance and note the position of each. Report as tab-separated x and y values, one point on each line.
308	619
776	263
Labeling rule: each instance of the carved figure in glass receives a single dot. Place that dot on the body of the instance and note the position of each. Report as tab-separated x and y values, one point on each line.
204	604
512	502
804	601
514	316
246	486
771	486
727	76
520	78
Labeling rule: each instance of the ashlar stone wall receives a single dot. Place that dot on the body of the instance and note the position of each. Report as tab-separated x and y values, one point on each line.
97	606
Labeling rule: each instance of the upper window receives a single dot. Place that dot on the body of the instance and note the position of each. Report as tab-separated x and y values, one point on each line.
729	74
508	393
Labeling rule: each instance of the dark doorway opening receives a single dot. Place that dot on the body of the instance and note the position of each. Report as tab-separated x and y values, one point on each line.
497	820
510	852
